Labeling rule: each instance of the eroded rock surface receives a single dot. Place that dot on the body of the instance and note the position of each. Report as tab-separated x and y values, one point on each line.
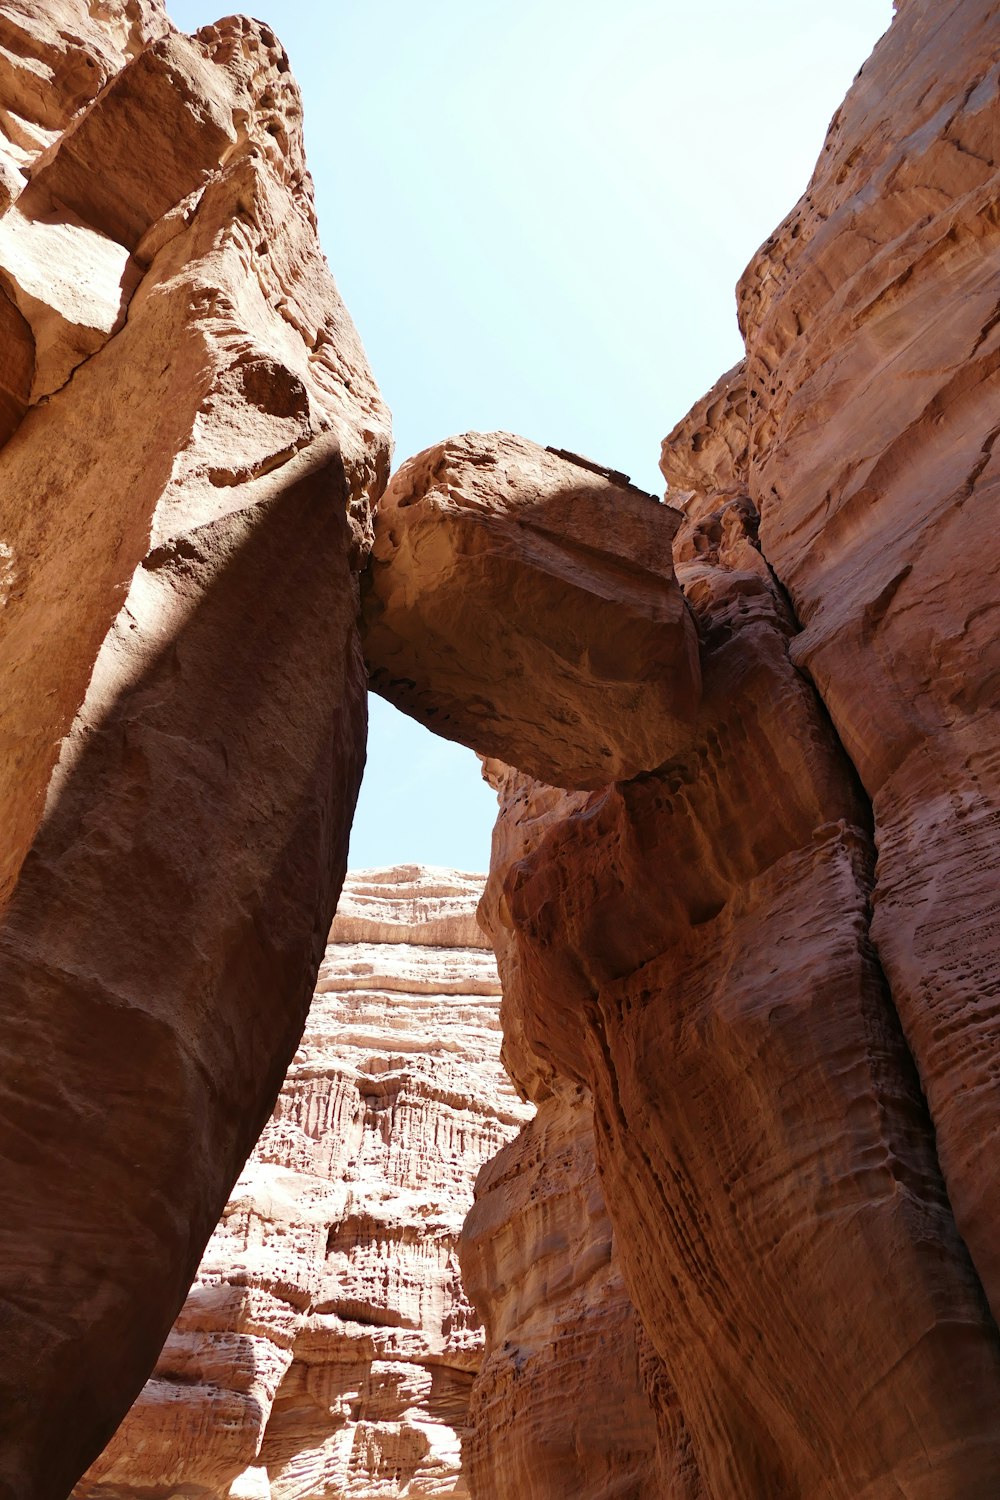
192	442
873	379
692	948
523	601
55	57
696	946
559	1406
328	1347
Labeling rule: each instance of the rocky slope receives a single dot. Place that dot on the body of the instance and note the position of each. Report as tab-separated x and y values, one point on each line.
327	1346
191	439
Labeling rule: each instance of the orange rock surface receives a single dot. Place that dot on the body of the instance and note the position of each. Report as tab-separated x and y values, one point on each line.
503	610
744	882
770	959
182	714
559	1406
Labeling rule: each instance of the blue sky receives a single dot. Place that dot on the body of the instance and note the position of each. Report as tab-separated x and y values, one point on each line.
537	212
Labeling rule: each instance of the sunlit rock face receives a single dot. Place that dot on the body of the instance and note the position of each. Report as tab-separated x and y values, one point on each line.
523	601
328	1346
692	948
190	442
873	383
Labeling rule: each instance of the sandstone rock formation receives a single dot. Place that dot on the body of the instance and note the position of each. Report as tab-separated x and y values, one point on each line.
192	441
55	58
504	611
692	946
872	437
559	1406
696	947
745	919
328	1347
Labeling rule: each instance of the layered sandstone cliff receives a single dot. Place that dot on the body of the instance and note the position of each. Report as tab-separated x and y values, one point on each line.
190	441
328	1346
880	524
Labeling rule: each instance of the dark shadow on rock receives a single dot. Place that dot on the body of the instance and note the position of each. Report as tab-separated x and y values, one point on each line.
159	954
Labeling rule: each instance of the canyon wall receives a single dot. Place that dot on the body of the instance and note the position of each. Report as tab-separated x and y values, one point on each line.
327	1346
560	1406
746	919
768	960
873	379
191	439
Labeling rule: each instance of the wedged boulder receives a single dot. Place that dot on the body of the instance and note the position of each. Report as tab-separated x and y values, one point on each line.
523	602
182	709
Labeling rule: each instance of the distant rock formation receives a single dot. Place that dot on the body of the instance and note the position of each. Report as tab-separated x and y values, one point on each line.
191	442
327	1346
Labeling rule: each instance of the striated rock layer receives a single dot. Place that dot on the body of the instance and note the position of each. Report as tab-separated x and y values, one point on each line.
191	441
559	1406
790	1048
328	1346
873	376
692	948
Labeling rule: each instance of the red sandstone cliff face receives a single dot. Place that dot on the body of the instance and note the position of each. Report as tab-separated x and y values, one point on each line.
697	946
559	1405
763	958
872	439
192	438
692	946
328	1346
